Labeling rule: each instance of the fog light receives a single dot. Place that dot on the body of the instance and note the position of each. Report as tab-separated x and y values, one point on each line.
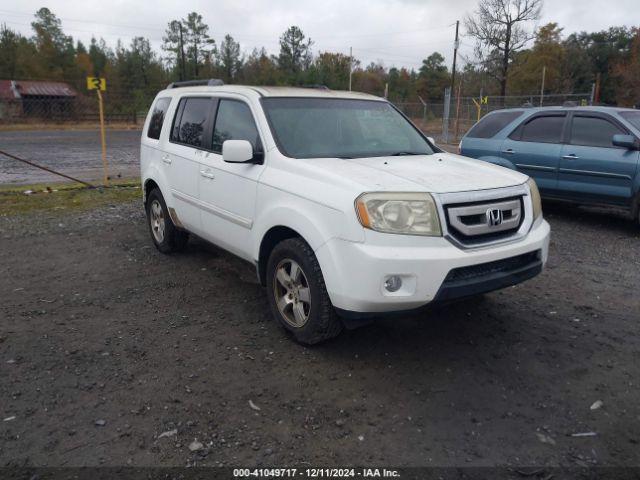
393	284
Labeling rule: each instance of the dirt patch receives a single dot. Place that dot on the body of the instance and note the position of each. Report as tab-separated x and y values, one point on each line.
113	354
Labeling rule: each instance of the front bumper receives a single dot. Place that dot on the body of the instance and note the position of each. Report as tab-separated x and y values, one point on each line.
431	269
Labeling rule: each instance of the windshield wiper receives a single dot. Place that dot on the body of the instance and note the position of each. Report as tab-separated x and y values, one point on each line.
404	154
394	154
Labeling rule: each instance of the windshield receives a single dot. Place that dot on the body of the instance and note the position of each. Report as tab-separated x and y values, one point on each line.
328	127
632	117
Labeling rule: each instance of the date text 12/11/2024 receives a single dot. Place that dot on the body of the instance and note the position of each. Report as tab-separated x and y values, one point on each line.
316	472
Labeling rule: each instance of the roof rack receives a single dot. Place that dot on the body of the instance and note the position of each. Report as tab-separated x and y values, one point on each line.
212	82
316	86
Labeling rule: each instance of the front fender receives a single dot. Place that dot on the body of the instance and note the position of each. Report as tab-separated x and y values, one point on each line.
315	223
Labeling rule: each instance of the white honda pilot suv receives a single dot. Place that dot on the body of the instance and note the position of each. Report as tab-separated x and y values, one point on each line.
345	208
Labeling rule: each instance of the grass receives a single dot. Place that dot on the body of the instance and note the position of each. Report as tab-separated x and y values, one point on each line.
64	197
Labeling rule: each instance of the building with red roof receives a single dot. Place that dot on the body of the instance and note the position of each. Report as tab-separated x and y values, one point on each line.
29	98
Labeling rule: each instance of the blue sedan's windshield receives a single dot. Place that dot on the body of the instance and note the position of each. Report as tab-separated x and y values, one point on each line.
328	127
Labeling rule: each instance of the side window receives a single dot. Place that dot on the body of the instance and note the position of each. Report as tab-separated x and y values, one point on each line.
593	132
157	118
542	129
234	122
492	124
191	118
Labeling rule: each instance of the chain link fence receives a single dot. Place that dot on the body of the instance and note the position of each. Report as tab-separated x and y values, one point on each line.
120	108
464	112
130	108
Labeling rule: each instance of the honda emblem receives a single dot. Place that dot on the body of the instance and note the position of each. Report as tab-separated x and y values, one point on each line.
494	217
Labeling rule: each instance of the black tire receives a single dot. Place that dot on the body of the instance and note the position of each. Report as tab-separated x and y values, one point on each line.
322	323
171	239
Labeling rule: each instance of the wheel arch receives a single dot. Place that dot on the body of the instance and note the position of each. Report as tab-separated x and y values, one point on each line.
270	239
635	205
149	185
152	182
315	224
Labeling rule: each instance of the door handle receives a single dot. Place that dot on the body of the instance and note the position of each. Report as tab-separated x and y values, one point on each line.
207	174
509	151
166	159
570	157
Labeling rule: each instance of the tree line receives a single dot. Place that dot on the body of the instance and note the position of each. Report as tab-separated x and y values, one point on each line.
509	58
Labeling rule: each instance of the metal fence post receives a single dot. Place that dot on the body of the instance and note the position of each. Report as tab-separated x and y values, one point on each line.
445	116
424	111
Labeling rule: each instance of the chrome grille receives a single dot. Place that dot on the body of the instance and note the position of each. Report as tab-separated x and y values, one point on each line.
485	221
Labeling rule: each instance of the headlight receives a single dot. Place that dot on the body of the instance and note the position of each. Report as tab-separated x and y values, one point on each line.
403	213
535	198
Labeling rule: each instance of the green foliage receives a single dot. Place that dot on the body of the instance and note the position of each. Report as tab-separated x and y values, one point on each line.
547	52
230	59
433	78
627	75
260	69
16	54
199	44
295	53
55	49
331	70
135	72
603	51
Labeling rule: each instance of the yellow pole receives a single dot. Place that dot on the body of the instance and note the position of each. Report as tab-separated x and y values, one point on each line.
478	107
105	165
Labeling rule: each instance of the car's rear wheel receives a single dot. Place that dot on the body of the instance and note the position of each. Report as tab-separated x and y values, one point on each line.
166	237
297	293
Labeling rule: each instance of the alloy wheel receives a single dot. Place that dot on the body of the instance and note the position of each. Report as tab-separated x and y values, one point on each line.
156	218
292	293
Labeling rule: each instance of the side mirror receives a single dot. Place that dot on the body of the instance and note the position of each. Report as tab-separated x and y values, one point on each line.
237	151
626	141
433	142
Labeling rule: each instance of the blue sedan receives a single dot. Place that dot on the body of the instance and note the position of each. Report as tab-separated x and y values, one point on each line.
588	155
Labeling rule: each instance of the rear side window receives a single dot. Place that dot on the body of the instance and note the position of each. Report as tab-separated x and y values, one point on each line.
190	122
234	122
547	129
593	132
157	118
492	124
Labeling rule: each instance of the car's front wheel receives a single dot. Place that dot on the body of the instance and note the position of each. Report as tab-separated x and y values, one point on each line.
297	293
166	237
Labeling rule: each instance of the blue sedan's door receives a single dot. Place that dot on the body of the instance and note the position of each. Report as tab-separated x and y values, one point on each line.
591	168
535	147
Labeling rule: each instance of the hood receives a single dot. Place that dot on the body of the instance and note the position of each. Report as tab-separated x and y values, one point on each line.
437	173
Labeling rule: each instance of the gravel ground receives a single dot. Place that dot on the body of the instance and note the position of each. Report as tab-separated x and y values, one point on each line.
74	152
113	354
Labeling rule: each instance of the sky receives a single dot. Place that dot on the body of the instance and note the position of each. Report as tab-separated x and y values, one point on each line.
394	32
